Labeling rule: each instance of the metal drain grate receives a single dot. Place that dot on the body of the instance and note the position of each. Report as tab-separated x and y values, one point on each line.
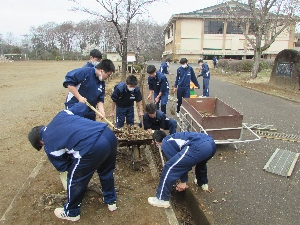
282	162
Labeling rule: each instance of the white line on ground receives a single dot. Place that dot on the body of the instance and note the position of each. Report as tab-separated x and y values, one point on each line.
33	174
169	211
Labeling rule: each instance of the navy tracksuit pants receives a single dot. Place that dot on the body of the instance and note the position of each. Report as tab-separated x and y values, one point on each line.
122	113
206	87
163	102
101	158
177	166
182	92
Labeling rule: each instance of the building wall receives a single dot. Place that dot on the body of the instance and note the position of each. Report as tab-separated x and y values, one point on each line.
189	41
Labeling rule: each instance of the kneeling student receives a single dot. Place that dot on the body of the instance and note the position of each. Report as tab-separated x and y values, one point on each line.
155	119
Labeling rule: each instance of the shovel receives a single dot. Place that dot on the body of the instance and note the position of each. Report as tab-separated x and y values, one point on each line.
172	109
106	120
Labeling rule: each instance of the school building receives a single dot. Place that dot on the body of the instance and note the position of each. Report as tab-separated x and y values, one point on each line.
205	33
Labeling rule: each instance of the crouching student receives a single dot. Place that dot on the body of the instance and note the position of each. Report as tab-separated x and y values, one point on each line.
155	119
183	150
79	146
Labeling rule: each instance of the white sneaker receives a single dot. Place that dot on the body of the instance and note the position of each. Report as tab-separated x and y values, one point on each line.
60	213
203	186
177	114
112	206
158	203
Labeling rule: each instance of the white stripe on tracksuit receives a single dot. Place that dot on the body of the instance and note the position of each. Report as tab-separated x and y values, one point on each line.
70	182
163	184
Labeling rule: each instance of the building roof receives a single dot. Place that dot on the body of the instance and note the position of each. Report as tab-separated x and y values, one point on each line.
216	11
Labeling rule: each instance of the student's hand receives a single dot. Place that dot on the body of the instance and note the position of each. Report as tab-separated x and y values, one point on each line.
82	99
112	114
141	113
175	89
156	100
181	186
149	97
102	113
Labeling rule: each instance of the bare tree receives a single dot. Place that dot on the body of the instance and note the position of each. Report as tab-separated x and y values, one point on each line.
120	13
146	38
262	21
65	35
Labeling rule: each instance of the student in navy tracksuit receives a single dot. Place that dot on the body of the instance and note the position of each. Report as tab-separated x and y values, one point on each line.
79	146
185	74
215	61
155	119
95	58
206	77
164	66
183	150
124	96
159	85
87	83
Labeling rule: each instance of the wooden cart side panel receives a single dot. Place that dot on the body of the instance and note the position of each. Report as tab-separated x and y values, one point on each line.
202	105
226	122
222	109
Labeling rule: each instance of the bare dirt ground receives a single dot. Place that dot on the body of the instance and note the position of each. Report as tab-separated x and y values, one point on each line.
32	94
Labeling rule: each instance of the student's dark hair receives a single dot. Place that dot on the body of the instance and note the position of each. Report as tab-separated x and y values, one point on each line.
168	60
151	69
106	65
34	137
95	53
200	60
183	61
151	108
159	135
132	80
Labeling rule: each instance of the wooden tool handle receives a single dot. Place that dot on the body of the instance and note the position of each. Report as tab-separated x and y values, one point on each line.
98	113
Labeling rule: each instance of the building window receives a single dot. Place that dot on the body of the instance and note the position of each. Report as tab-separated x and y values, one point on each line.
213	27
233	28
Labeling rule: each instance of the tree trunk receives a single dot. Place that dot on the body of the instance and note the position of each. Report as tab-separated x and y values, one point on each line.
255	68
124	67
124	59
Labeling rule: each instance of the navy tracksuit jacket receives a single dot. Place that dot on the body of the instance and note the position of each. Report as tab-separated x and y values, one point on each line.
88	86
164	68
81	147
88	64
182	83
206	77
183	151
159	121
124	100
160	83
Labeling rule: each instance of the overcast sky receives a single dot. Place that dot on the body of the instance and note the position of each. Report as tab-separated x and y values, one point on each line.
17	16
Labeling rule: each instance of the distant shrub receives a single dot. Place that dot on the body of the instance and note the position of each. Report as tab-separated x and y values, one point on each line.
244	65
137	68
266	64
142	65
